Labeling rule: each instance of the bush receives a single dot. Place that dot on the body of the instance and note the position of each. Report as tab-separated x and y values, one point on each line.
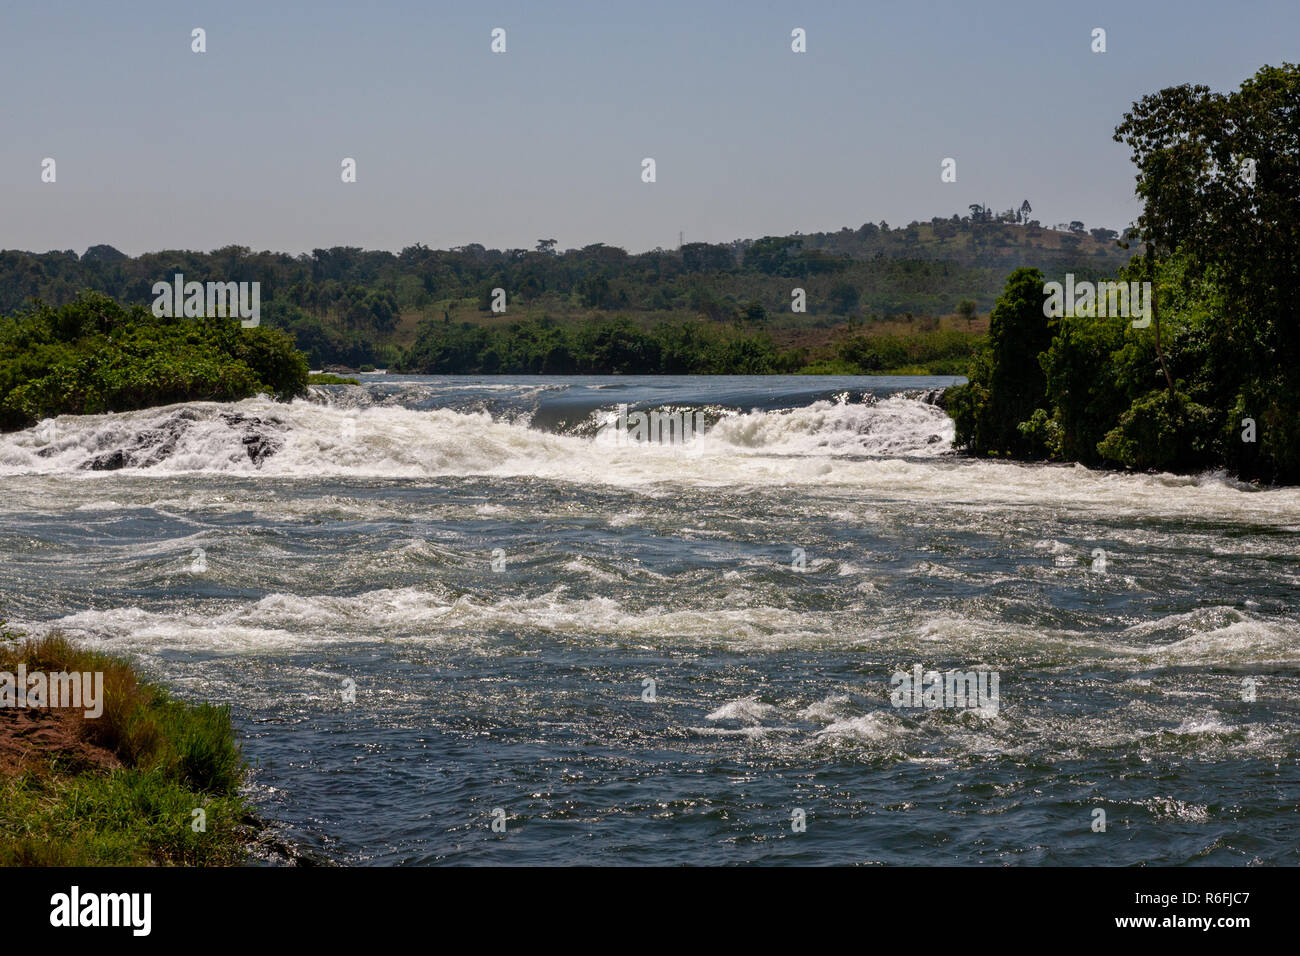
94	355
937	353
1091	381
1164	430
600	347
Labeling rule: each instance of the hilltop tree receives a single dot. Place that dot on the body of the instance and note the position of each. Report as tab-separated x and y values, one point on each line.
771	254
705	257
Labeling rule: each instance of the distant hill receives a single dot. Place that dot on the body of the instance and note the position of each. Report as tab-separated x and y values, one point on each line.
979	243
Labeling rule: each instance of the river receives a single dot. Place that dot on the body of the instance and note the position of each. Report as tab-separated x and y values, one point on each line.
433	603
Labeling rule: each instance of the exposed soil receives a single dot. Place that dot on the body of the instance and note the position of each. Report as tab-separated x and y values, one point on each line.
31	739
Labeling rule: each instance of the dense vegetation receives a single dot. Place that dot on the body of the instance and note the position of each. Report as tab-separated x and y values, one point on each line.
352	307
1215	380
937	352
603	347
94	355
617	346
123	788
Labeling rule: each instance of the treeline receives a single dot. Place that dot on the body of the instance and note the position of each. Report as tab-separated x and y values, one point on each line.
94	355
942	352
352	306
983	239
617	346
1214	381
605	347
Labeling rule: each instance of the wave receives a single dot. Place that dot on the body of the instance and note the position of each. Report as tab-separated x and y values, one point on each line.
1221	640
878	449
351	437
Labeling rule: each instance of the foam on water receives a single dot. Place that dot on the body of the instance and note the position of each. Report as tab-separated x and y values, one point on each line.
314	439
892	449
436	614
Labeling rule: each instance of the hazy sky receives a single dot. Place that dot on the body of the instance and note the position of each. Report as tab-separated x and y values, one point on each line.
159	147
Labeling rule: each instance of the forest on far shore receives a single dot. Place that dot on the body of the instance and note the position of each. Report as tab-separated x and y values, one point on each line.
349	307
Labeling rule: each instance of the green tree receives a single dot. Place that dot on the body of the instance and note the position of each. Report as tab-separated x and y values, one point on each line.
1217	175
844	298
771	254
1007	383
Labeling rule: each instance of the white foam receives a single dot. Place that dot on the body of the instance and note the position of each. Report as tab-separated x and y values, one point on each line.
826	710
876	727
747	710
889	451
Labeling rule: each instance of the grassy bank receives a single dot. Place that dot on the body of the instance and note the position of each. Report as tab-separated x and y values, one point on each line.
327	378
119	789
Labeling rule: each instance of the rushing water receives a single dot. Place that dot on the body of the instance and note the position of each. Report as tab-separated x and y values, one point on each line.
498	580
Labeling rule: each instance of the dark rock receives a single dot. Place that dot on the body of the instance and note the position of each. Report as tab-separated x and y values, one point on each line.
267	842
110	462
259	442
149	446
259	447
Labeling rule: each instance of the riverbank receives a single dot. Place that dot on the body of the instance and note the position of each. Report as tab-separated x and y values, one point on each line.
148	781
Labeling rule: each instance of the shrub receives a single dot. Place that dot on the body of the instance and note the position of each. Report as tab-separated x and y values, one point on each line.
1164	430
94	355
1007	382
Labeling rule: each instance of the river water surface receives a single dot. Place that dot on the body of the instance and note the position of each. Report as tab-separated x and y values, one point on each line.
679	653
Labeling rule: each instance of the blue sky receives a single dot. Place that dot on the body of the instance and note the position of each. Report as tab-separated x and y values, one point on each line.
158	147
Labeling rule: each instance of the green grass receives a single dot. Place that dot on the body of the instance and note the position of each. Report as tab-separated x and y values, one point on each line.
177	757
328	378
124	818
